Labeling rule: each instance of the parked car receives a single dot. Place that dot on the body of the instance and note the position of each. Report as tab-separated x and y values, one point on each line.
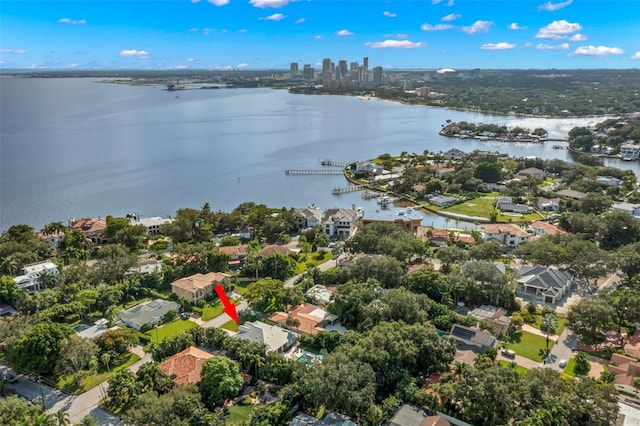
563	363
508	353
185	316
9	376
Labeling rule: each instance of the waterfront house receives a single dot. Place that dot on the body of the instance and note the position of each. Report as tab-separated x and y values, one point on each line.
442	200
184	368
546	284
277	339
369	167
408	219
92	228
507	234
150	312
55	240
307	218
197	287
30	280
153	224
454	154
340	223
630	151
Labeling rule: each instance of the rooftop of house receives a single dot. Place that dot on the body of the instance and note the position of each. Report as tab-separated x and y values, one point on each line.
88	224
548	279
39	267
320	294
99	327
401	215
150	221
340	215
409	415
271	335
633	343
547	228
530	171
275	249
234	251
331	419
197	282
571	193
185	366
490	312
504	228
473	335
310	317
148	312
625	368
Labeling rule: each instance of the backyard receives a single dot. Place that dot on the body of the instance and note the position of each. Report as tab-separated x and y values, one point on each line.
239	414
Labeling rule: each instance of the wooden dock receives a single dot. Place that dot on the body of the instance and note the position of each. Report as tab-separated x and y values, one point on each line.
344	190
332	163
313	172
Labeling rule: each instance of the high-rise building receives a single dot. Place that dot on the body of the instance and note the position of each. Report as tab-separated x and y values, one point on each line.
365	69
308	73
326	69
294	69
342	65
377	76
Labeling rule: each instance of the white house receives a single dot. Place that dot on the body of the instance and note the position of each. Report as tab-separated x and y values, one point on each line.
630	151
507	234
153	224
340	223
548	204
276	338
369	167
31	278
307	218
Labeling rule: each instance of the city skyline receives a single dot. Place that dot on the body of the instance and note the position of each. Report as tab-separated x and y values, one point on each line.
271	34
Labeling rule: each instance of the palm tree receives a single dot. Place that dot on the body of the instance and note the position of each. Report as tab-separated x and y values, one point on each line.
549	322
62	417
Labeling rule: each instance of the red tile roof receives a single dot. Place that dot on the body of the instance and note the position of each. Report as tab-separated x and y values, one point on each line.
185	367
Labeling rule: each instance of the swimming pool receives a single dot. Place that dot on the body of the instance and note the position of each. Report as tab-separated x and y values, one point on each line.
80	327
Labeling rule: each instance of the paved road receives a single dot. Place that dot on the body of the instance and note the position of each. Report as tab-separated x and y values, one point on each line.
562	349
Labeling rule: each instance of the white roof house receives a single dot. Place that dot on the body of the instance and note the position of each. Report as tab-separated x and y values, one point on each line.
30	279
150	312
276	338
153	224
99	327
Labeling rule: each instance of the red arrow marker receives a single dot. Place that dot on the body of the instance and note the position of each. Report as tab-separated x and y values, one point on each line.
229	307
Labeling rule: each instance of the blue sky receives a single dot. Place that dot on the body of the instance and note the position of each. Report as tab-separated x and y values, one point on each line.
256	34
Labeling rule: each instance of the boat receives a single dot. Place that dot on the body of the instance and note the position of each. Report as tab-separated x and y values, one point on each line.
557	147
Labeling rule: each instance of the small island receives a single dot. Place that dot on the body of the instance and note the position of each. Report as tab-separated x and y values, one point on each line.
493	132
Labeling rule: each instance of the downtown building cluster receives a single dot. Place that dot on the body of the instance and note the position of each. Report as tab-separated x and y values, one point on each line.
340	75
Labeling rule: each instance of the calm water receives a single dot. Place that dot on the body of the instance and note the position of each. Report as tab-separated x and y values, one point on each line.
78	148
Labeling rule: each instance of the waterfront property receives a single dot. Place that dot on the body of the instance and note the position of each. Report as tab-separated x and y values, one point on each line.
92	228
407	218
340	223
153	224
307	218
198	286
150	312
30	280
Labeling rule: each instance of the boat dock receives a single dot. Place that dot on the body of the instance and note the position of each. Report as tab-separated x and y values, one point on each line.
332	163
339	191
313	172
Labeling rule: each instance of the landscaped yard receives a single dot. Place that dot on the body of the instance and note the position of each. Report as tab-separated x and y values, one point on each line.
68	383
311	262
570	368
230	325
528	345
214	309
480	207
158	334
562	324
510	364
238	414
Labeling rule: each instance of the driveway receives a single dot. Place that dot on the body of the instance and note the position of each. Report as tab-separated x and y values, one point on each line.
562	349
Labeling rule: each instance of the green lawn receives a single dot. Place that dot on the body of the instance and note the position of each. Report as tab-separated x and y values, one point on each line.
238	414
230	325
528	345
562	324
510	364
158	334
570	368
311	262
480	207
214	309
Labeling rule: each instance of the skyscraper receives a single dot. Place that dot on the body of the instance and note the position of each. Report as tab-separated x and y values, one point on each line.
326	69
308	73
377	76
342	65
294	69
365	69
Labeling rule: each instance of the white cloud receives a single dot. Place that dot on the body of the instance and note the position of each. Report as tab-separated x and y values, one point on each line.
300	21
558	30
554	6
179	67
193	30
578	37
132	53
597	51
636	55
242	65
218	2
402	36
435	1
451	17
450	3
274	17
516	26
437	27
190	60
503	45
394	44
478	27
73	65
16	51
389	14
561	46
206	31
319	37
71	21
243	30
344	33
263	4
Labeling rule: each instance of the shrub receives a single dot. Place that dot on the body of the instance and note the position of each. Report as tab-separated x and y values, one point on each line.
246	401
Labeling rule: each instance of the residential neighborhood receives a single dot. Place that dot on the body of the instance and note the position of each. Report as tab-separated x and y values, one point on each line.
344	316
